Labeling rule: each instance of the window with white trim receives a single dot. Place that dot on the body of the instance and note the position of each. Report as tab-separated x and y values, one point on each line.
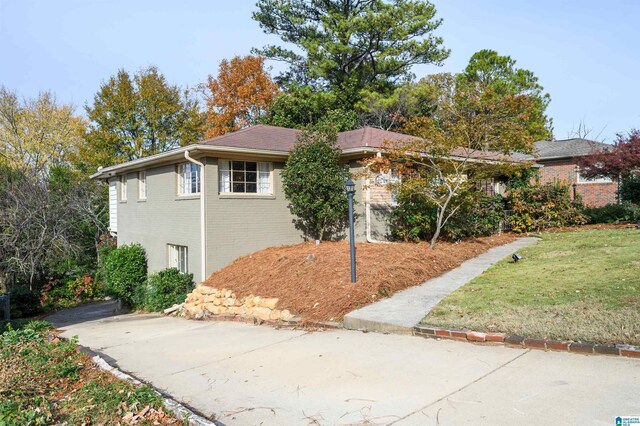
123	188
582	179
178	257
142	185
248	177
188	179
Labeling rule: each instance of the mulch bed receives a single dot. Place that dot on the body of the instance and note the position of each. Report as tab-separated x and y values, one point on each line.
314	281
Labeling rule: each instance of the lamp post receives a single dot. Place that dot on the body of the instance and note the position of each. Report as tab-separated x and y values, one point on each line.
350	188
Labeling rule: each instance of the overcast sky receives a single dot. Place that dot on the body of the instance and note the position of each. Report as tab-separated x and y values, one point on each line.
585	53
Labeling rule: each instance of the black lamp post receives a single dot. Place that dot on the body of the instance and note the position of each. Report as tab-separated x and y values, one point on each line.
350	188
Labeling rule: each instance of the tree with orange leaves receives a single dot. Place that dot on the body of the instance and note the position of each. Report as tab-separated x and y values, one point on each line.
239	96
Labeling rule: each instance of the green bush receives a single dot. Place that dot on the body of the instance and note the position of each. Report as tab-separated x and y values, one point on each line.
126	272
105	246
414	217
166	288
543	206
24	302
630	189
313	183
480	215
613	213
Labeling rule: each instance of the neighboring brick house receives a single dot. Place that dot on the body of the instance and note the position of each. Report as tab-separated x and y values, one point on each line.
561	159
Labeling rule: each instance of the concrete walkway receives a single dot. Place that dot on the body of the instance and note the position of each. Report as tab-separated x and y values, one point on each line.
256	375
405	309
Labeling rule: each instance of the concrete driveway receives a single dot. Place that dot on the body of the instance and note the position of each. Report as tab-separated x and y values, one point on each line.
243	374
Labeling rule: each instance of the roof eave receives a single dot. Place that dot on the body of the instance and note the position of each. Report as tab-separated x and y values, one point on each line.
178	153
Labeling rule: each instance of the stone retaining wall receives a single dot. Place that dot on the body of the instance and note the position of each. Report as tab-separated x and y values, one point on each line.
208	301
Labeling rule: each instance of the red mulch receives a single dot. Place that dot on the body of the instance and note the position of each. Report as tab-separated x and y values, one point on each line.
314	281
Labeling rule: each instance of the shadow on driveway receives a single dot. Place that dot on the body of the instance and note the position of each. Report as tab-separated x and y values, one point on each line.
85	313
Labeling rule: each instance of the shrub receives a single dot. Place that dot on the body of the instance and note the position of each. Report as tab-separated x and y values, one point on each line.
70	291
166	288
106	245
630	189
414	218
313	183
613	213
543	206
126	271
480	215
24	302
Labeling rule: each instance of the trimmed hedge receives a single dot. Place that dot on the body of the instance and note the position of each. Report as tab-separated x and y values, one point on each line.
126	272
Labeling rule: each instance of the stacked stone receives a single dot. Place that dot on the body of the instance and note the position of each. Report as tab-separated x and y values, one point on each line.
205	301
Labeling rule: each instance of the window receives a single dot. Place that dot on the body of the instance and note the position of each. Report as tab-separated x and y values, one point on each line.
123	188
178	258
188	179
581	179
142	185
244	177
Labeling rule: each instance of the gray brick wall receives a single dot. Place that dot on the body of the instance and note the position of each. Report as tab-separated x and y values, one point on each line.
236	225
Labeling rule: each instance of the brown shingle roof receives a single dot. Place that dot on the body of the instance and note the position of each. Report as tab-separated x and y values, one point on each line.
270	138
281	139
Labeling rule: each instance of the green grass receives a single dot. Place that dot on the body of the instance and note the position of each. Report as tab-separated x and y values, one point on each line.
580	286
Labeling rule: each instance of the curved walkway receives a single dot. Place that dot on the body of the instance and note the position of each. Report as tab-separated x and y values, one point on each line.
404	310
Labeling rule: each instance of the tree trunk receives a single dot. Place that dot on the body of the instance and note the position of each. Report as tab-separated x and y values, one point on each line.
436	234
4	282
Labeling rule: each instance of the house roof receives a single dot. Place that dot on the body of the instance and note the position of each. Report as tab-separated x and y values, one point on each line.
568	148
281	139
276	142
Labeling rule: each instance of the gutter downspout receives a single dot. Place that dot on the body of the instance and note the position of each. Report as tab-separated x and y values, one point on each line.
203	230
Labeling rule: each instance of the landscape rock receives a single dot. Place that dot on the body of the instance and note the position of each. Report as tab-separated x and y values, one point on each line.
194	310
269	302
286	315
275	314
204	300
205	290
261	313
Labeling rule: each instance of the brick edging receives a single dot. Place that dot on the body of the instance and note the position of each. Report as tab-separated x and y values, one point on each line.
503	339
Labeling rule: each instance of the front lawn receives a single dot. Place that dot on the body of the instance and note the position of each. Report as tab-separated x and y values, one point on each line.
580	286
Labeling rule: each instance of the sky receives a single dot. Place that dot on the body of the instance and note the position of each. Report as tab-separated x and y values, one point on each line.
584	52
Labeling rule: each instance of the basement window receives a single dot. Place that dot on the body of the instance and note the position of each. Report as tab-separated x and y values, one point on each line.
178	257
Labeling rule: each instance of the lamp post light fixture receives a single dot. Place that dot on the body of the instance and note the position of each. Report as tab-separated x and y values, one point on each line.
350	188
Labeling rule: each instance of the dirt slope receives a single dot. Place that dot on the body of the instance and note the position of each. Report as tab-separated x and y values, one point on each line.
313	281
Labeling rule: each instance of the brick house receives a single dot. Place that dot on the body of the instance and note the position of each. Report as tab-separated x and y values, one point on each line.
560	160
